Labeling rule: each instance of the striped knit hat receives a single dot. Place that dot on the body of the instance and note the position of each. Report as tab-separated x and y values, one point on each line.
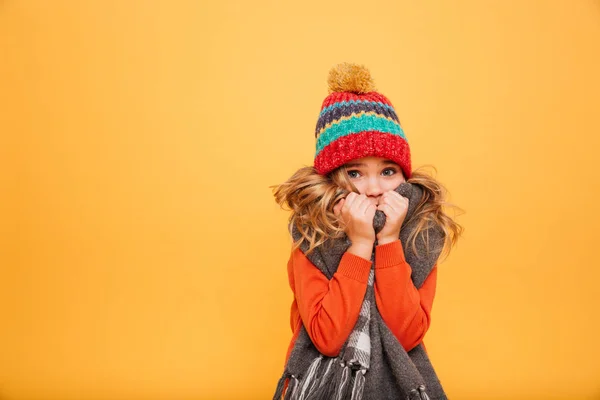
356	121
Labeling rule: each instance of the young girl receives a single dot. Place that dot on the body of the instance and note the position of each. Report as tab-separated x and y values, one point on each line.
368	232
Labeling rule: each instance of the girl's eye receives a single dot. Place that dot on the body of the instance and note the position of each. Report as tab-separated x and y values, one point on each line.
392	170
353	174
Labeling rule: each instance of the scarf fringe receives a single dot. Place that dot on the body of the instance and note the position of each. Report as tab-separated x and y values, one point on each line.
342	390
292	388
331	380
308	382
328	371
418	394
334	382
423	393
280	386
359	385
326	390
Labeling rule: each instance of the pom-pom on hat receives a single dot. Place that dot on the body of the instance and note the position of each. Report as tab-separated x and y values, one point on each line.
356	121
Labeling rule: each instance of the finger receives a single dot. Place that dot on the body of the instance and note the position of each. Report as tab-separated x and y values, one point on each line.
389	201
371	209
361	207
399	204
387	209
337	208
356	201
350	200
401	199
365	203
392	197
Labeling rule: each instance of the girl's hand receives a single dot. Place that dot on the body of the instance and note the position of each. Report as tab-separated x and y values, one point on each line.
356	211
395	207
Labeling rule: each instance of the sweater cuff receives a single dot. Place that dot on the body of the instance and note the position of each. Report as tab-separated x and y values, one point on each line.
354	267
389	254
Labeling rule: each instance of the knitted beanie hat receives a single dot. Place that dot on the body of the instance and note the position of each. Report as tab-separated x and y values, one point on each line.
356	121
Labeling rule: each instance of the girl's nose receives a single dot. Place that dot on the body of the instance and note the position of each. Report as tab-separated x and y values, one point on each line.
373	188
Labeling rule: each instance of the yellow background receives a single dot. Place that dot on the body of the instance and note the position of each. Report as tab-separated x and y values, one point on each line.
143	256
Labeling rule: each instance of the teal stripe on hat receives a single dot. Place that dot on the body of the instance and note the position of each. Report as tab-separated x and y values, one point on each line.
357	124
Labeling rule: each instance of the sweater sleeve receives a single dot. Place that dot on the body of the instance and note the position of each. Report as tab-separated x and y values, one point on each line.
405	309
329	308
294	307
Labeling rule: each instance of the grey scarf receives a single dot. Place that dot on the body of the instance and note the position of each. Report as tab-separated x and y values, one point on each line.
372	364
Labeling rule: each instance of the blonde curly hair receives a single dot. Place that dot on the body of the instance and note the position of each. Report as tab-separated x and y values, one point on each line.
311	198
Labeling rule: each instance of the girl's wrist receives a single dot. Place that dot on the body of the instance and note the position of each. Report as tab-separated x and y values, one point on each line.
362	249
387	239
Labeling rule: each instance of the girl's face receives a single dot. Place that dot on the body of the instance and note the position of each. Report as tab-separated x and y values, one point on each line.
374	176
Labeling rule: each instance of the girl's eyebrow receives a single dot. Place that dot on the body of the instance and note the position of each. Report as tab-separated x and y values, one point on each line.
386	162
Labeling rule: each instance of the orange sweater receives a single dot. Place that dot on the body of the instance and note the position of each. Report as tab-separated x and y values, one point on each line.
330	308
